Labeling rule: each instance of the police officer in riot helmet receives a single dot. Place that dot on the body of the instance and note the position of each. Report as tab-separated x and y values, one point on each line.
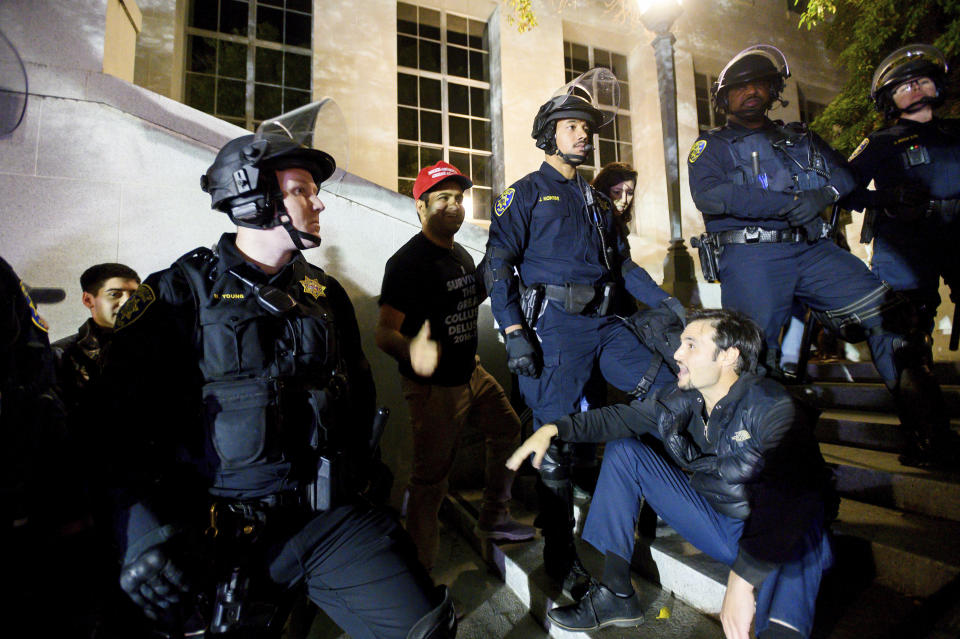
913	213
239	468
557	263
762	187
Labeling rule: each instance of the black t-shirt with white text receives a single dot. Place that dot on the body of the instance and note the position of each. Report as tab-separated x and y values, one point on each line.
425	281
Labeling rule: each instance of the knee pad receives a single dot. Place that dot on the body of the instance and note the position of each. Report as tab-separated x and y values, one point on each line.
557	465
439	623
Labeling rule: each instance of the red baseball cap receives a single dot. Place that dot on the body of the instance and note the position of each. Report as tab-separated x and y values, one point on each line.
430	176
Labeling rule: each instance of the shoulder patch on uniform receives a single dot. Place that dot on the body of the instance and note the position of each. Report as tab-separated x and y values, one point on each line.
134	308
740	436
696	150
504	201
313	287
860	147
34	313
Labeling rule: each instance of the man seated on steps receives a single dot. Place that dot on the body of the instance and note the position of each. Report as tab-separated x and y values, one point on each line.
756	496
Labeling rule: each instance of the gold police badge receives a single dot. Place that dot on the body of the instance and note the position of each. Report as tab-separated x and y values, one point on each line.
313	287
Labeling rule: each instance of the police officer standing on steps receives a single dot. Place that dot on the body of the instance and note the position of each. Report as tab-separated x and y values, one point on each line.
761	186
913	215
249	423
557	262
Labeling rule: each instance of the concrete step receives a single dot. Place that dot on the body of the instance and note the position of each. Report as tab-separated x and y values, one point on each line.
847	371
879	431
887	562
911	554
521	566
865	396
877	477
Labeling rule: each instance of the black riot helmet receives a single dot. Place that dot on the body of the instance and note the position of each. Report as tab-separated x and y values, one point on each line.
905	64
581	98
757	62
242	182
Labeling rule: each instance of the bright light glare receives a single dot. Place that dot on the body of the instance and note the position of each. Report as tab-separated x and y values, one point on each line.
468	205
643	5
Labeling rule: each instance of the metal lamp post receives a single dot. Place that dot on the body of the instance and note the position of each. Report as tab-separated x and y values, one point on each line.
658	16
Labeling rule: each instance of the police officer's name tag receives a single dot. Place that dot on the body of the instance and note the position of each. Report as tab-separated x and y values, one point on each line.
135	307
504	202
696	150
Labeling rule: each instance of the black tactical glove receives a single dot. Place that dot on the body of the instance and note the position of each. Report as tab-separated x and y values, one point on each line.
523	357
804	212
154	582
907	202
808	205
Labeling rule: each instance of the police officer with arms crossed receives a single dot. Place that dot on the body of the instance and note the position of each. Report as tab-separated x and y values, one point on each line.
913	216
428	323
756	496
250	419
557	261
761	186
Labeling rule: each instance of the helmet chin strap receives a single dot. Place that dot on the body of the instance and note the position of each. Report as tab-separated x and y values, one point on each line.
920	104
574	159
295	234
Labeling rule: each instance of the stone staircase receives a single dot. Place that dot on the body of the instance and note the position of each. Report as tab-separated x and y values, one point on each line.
897	537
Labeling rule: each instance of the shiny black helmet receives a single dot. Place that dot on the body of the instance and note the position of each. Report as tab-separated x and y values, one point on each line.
581	98
758	62
241	181
905	64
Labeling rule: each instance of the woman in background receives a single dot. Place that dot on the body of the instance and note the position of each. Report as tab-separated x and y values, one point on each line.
618	181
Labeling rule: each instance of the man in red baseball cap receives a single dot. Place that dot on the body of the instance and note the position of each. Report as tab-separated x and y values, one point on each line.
428	323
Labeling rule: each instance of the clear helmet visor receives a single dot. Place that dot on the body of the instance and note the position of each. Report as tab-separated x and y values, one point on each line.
318	125
598	87
770	52
906	63
13	87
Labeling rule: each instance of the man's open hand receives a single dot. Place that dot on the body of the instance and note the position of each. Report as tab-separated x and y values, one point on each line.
536	445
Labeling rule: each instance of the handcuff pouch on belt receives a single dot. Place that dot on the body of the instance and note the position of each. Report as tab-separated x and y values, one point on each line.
708	248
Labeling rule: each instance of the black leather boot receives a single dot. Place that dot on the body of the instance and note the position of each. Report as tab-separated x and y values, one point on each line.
599	608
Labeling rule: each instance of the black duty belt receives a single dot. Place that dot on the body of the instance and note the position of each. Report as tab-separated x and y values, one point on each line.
943	208
757	235
583	299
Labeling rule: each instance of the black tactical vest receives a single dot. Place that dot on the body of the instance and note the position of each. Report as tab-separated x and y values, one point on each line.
787	160
271	382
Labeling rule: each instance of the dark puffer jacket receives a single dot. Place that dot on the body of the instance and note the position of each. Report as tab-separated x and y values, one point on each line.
755	459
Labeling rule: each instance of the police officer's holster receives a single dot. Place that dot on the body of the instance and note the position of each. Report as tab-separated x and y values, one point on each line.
242	604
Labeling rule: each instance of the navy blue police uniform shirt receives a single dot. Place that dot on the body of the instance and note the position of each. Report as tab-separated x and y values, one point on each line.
924	153
726	189
429	282
542	221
